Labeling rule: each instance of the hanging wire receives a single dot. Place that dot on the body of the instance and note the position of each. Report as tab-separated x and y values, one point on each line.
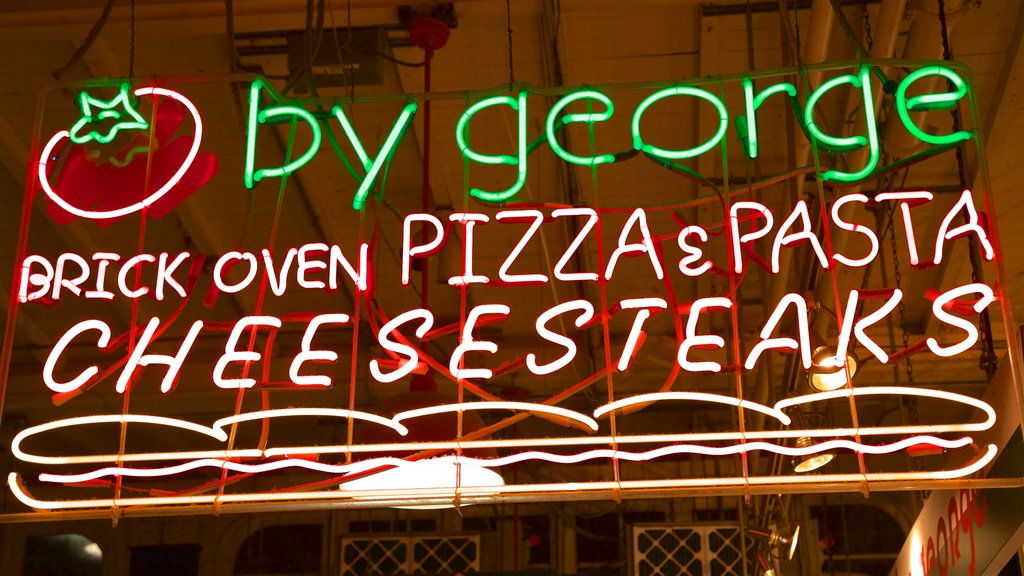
90	39
868	38
511	66
988	361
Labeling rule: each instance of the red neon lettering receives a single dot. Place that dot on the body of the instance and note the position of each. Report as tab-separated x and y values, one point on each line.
646	245
468	344
785	343
468	221
223	262
908	222
419	251
173	363
786	238
103	259
574	246
412	356
965	203
854	227
636	333
307	354
586	314
232	354
987	297
693	340
58	348
737	239
694	254
536	218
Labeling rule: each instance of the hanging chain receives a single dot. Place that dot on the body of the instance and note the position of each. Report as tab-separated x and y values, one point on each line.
508	22
987	361
131	41
869	41
898	277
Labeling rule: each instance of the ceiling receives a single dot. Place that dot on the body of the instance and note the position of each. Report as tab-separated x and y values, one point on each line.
544	44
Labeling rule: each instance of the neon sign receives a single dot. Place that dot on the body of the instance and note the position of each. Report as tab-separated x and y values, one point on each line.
602	254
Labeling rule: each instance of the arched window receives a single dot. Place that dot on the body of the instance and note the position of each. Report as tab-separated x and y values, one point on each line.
287	550
62	555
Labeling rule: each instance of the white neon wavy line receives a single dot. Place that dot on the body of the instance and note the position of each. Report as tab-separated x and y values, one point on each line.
897	390
522	406
101	419
335	412
171	183
701	396
512	459
467	494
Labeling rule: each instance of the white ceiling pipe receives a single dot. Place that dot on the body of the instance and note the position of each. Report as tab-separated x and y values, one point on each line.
924	42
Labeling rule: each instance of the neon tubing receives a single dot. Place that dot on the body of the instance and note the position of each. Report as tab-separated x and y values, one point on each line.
518	406
150	199
467	493
699	396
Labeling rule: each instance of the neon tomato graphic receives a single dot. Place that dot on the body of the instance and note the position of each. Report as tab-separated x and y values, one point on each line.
106	186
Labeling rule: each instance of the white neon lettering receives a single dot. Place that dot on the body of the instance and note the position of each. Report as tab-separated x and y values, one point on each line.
636	331
419	251
40	280
412	356
737	239
218	272
514	215
165	274
574	246
468	220
468	344
694	254
103	260
586	314
232	354
307	354
173	363
786	238
338	259
72	285
908	222
966	202
693	340
59	347
987	297
122	276
279	281
309	263
853	227
646	245
769	343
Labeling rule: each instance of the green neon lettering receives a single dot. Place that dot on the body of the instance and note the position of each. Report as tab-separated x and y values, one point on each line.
94	110
723	124
592	118
374	165
276	113
752	104
940	101
517	104
847	143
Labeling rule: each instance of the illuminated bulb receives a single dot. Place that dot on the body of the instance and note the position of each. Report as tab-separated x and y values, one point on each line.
811	462
93	550
827	378
436	473
779	538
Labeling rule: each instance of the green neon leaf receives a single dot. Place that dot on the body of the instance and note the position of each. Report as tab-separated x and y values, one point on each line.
940	101
373	165
94	111
519	105
551	128
723	124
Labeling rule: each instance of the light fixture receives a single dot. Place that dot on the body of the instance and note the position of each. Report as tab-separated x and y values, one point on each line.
825	377
435	473
810	462
777	538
